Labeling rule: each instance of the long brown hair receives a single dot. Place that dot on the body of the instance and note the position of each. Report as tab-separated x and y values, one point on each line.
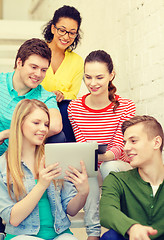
13	154
103	57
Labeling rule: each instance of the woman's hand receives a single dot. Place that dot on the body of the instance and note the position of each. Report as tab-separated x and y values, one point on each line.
47	174
79	179
59	95
24	207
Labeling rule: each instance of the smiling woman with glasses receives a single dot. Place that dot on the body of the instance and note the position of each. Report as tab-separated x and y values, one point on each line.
62	32
62	35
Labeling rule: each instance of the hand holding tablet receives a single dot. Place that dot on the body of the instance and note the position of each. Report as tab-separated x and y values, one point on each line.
70	154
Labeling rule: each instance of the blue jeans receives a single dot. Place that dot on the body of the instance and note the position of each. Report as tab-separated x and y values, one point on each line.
58	138
2	227
112	235
91	209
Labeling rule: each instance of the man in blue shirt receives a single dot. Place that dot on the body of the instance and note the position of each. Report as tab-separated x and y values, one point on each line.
31	63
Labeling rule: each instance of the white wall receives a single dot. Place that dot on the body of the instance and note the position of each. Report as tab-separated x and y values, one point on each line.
132	32
16	9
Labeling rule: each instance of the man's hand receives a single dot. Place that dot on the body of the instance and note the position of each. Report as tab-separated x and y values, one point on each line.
140	232
59	96
4	135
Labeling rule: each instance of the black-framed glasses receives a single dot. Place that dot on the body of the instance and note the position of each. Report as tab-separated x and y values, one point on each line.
62	32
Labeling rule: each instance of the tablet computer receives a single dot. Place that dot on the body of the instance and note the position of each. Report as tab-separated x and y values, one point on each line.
72	153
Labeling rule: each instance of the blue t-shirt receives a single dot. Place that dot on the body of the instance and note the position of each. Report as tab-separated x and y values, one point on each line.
9	99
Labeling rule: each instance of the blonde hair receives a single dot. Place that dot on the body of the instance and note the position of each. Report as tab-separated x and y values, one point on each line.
13	154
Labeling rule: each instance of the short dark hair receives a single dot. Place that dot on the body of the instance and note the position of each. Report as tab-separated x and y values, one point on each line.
103	57
33	46
151	126
65	12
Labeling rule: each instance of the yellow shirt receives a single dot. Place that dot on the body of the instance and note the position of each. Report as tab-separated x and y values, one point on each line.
68	76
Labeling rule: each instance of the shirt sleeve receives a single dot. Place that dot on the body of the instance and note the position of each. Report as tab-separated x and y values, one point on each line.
68	192
117	141
111	215
51	102
6	203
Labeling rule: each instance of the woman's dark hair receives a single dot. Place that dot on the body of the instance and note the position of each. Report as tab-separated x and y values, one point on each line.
103	57
66	12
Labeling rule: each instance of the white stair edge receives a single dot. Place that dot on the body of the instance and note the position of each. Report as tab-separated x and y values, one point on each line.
7	61
78	220
21	30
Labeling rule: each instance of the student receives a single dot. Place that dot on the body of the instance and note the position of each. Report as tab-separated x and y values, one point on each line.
98	116
62	35
32	203
132	201
31	63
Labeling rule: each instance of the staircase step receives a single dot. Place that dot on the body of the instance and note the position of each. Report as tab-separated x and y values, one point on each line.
6	64
8	51
21	30
13	34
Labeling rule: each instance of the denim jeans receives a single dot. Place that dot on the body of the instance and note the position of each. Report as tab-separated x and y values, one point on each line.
58	138
91	209
116	166
112	235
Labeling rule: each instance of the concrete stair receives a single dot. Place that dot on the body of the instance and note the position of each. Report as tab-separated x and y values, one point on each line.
13	34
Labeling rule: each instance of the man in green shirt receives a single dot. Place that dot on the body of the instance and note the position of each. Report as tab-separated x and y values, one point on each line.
132	202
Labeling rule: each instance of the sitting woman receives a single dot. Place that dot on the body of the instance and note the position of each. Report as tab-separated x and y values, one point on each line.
98	116
62	35
32	202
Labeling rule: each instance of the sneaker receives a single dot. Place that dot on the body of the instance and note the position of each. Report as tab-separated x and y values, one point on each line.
2	236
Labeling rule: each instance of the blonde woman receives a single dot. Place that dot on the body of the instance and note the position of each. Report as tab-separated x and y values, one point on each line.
31	203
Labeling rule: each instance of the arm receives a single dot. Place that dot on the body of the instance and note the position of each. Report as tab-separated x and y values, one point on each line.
55	122
115	149
24	207
80	180
59	95
138	231
55	116
105	157
111	215
4	135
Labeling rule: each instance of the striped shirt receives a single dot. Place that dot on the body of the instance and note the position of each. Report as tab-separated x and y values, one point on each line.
103	125
9	99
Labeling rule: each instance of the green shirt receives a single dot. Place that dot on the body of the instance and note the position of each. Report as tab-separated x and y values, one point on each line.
46	230
127	199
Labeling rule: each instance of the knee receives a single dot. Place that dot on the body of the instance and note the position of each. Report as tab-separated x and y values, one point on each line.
107	167
112	235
